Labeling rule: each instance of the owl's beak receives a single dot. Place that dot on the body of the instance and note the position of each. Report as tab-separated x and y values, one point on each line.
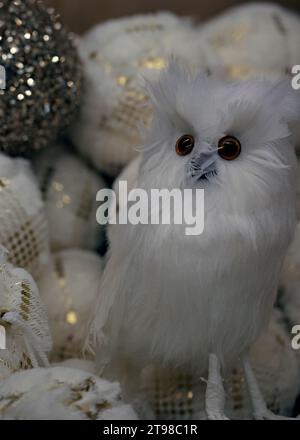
203	165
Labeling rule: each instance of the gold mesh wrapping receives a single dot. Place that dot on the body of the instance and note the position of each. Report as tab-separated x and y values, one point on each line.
25	237
132	107
170	394
12	358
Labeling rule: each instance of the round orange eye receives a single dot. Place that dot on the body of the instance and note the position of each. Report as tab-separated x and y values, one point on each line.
229	147
185	144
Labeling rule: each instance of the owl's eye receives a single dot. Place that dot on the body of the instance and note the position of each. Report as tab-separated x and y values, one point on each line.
185	144
229	147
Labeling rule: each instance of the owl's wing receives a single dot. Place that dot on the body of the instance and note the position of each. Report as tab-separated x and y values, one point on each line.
100	338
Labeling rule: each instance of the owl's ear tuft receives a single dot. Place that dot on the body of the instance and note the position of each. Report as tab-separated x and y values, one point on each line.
163	91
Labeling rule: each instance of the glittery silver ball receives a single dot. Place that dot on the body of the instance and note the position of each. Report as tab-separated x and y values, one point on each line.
43	76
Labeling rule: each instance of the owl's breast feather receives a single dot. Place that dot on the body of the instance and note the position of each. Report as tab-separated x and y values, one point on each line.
178	298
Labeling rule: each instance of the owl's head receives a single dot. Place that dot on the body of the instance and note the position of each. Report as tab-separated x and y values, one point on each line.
232	139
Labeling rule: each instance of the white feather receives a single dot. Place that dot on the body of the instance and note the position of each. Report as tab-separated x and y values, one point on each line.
171	298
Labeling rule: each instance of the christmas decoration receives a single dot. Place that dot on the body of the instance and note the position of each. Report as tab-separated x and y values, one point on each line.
43	76
174	394
245	37
175	306
117	56
69	287
69	188
79	364
61	394
179	322
26	334
23	225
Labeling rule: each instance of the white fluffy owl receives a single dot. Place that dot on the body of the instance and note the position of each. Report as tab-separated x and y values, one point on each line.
199	302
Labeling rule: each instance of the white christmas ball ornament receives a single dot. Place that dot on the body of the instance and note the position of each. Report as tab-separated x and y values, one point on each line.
117	56
69	188
78	364
24	332
61	393
23	224
255	39
69	287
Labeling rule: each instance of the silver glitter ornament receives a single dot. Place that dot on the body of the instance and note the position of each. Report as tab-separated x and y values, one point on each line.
43	76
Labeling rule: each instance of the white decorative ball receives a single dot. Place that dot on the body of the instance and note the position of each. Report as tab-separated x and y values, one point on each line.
69	188
78	364
255	39
23	224
61	393
25	338
69	287
117	56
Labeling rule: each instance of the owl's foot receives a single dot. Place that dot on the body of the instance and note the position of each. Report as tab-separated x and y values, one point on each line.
216	416
215	394
269	415
260	410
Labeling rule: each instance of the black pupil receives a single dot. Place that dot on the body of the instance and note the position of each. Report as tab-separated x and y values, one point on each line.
186	143
229	148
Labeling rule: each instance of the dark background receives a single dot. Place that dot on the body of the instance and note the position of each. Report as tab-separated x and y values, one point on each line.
79	15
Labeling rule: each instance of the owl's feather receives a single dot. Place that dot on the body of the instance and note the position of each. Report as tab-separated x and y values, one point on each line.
171	298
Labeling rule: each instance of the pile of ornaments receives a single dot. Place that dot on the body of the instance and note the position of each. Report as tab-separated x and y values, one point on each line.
73	106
